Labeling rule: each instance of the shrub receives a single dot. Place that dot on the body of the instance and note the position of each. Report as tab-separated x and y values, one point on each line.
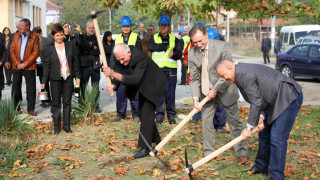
86	106
10	120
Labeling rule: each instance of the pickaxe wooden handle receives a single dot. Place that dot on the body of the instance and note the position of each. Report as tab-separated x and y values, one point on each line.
103	55
177	128
216	153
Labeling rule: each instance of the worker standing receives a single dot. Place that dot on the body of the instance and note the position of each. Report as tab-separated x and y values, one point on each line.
130	38
166	50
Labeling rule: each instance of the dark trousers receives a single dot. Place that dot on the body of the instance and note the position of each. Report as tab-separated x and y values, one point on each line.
148	127
266	56
122	101
8	73
86	73
1	77
47	86
273	141
170	95
61	89
220	118
183	73
30	78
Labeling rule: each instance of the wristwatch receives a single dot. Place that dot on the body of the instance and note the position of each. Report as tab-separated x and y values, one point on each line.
249	129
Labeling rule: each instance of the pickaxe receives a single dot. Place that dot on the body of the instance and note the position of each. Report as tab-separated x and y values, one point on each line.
96	28
177	128
214	154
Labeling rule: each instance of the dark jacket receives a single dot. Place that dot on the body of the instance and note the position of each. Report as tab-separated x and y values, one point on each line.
3	51
88	50
8	48
31	53
277	45
51	62
145	34
143	75
177	51
266	44
108	50
268	91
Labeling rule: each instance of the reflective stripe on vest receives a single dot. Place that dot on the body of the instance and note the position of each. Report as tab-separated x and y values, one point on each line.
186	40
132	39
162	58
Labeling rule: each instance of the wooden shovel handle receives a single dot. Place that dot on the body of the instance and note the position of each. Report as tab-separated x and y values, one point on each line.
218	152
178	127
102	53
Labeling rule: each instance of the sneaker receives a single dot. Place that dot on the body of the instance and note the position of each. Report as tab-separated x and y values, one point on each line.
136	119
159	120
172	120
116	119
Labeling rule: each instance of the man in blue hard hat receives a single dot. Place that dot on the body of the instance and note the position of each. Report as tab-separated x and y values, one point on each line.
216	27
185	40
131	39
166	50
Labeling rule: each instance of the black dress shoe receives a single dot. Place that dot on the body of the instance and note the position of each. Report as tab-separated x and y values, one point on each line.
253	170
56	132
142	153
67	130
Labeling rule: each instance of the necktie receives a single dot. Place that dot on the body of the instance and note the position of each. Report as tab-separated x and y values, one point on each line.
205	74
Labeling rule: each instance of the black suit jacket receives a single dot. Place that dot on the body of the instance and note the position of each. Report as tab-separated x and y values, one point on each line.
51	62
268	91
268	45
142	74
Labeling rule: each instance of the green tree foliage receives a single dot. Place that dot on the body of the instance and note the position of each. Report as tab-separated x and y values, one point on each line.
75	11
258	9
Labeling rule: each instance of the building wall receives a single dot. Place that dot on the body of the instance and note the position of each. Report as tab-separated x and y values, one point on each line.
12	11
52	15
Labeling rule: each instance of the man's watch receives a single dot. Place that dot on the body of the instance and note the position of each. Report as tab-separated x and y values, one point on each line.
249	128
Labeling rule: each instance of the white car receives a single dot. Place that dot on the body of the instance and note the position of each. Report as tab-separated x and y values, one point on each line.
309	40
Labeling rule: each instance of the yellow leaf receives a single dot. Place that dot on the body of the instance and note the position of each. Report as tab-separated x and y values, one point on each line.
189	138
155	173
140	171
17	163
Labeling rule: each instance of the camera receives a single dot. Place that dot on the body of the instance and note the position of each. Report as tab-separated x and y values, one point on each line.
97	65
71	26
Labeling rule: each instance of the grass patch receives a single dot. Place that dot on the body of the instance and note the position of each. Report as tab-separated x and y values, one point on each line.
105	148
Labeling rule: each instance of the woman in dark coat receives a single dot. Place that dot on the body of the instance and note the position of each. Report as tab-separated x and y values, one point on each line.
108	44
60	66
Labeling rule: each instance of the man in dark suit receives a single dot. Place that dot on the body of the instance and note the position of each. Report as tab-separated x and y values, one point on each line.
265	48
275	101
137	72
277	45
204	81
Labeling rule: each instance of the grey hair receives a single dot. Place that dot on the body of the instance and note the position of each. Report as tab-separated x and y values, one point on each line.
121	47
225	64
26	22
141	23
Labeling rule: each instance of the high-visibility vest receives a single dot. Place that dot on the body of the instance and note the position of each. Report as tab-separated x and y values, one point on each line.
132	39
189	47
162	58
186	40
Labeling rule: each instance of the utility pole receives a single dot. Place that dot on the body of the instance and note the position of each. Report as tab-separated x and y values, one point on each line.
189	19
110	27
273	28
228	27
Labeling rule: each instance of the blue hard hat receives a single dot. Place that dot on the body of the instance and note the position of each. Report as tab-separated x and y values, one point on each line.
164	19
212	33
199	24
125	21
181	31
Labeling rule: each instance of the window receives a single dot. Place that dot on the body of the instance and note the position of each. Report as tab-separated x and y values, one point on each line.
314	52
307	41
37	16
18	7
291	41
281	36
286	38
300	51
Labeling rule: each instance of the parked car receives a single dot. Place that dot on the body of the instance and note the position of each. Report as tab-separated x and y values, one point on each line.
309	40
301	60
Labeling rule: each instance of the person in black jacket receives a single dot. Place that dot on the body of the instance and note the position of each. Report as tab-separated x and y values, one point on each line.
3	58
138	72
89	59
108	44
265	48
60	66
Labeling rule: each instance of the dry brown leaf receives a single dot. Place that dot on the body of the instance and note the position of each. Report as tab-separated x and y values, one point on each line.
4	161
98	177
121	170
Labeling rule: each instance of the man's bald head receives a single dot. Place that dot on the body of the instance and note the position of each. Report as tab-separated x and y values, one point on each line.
122	53
226	70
